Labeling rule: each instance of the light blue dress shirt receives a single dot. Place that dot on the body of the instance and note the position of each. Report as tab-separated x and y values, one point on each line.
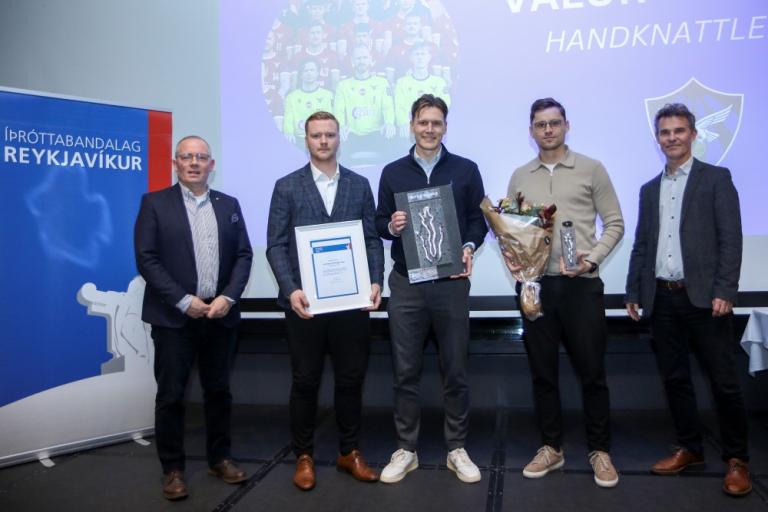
428	165
669	255
205	238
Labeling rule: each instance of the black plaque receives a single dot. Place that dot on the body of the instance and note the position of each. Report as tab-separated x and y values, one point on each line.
431	239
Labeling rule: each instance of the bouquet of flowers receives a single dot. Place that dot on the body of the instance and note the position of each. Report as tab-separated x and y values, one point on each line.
523	230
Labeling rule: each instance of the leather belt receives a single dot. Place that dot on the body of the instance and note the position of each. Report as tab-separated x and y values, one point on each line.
670	285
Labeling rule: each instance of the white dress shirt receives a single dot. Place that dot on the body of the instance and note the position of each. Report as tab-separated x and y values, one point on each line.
326	186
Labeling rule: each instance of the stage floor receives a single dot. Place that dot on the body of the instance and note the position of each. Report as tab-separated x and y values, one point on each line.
126	477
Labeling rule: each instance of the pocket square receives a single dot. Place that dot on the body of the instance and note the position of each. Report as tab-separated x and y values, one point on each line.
234	218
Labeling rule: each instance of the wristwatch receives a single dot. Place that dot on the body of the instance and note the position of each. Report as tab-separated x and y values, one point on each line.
592	266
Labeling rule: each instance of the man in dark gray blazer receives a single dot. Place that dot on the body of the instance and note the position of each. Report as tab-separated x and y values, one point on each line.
192	249
321	192
684	273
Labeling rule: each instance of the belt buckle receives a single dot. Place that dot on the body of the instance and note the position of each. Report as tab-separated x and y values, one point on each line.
671	285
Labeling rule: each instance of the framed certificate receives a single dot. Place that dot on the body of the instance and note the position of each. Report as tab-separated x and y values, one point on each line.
334	266
431	239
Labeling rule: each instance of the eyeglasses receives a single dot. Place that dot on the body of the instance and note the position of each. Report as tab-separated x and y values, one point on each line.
203	158
542	125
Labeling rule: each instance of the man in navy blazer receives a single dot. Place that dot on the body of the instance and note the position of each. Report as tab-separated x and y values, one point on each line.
320	192
192	249
684	273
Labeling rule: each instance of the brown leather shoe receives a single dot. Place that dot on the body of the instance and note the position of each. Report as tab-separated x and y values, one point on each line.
354	464
737	481
228	471
304	477
677	462
174	487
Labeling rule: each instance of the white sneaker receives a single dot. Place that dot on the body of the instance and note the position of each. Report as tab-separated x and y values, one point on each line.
459	462
546	459
401	463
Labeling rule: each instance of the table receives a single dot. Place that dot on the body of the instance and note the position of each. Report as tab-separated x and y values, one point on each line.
754	341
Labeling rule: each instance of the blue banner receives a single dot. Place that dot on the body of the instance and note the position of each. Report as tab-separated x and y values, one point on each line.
73	174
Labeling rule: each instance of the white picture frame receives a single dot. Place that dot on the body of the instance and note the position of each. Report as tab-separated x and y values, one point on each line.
333	263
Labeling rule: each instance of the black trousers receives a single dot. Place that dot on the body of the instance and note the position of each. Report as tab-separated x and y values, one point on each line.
412	309
346	337
213	346
679	326
574	314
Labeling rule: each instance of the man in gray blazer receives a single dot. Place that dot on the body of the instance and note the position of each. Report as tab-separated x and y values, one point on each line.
684	273
320	192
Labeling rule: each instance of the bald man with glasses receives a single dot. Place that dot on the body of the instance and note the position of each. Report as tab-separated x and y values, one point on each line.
192	249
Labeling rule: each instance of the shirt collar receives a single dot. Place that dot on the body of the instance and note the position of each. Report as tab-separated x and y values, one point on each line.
683	169
318	175
428	163
569	160
188	194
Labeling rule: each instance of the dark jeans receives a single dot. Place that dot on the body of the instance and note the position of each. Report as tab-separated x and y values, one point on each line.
574	314
213	346
346	337
676	323
412	309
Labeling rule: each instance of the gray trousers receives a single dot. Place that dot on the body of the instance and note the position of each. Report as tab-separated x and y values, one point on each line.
412	309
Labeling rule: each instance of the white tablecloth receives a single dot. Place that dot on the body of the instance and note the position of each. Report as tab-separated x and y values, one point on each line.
754	341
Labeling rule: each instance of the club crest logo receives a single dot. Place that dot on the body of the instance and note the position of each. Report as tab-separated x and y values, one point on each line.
718	117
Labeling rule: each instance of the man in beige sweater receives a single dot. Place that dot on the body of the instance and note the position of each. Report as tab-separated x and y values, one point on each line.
572	299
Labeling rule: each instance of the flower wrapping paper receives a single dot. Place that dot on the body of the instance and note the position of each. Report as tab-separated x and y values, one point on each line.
529	245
